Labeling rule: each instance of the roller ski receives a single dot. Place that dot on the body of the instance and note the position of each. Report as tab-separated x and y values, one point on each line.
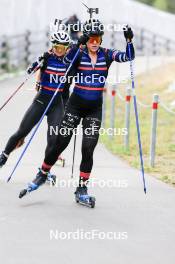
51	179
40	179
82	197
3	159
62	161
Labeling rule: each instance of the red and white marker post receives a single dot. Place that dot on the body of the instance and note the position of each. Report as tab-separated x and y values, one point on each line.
112	115
154	129
127	117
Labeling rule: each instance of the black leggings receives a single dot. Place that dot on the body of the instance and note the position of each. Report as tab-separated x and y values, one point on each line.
33	115
91	123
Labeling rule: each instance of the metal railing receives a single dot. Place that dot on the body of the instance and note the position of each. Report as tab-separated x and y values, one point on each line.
18	51
146	42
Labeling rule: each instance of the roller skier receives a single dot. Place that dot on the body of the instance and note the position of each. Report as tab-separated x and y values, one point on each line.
85	103
52	63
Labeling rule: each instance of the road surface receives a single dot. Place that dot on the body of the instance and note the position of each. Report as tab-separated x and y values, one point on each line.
126	227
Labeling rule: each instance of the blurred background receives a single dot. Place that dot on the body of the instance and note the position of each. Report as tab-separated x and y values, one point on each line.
165	5
24	35
25	26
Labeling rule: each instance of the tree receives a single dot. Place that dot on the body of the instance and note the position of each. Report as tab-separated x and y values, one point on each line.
148	2
165	5
171	6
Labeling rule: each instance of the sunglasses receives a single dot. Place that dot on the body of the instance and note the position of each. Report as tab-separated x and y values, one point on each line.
95	40
60	46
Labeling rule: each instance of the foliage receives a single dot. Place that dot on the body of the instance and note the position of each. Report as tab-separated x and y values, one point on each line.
166	5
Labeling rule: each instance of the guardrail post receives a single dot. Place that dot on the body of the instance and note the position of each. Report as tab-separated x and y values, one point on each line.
5	65
27	47
142	47
167	47
153	129
47	39
112	115
154	50
127	118
113	38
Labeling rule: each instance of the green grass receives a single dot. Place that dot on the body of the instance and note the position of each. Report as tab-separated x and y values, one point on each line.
165	149
165	5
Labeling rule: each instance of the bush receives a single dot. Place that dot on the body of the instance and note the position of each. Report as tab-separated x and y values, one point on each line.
165	5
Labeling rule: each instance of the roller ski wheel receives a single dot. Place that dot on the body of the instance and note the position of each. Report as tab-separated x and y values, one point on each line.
51	178
63	161
82	197
31	187
35	184
22	193
3	160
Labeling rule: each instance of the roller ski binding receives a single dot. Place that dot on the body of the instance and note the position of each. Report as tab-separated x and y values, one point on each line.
3	159
82	197
35	184
51	179
63	161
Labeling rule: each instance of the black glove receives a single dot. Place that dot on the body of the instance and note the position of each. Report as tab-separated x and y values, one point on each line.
34	65
128	33
82	40
44	56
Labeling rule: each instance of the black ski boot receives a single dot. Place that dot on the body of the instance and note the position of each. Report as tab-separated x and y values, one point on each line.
3	159
35	184
82	197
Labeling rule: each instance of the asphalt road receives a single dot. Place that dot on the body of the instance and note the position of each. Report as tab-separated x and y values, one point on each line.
126	226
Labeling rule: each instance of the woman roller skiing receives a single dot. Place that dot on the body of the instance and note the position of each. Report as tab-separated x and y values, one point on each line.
85	103
52	63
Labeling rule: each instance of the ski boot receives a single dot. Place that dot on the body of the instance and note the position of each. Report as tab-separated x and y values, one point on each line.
35	184
62	161
3	160
51	178
82	197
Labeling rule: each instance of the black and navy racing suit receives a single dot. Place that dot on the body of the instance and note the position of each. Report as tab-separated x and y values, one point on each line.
85	103
56	68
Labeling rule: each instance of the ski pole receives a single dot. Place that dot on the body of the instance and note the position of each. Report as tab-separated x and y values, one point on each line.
19	87
137	118
41	119
75	139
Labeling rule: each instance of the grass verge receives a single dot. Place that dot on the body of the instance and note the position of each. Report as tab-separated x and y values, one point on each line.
158	82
